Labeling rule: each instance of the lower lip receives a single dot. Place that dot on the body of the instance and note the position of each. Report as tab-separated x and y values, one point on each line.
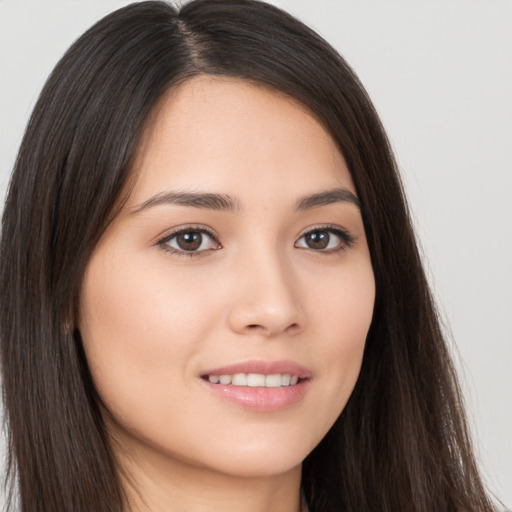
259	398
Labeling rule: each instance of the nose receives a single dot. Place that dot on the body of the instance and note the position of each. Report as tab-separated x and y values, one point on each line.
266	300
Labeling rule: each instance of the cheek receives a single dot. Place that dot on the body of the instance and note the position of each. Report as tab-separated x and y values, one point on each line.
344	307
135	306
137	328
344	322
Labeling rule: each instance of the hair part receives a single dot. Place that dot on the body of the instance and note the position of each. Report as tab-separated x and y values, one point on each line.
401	441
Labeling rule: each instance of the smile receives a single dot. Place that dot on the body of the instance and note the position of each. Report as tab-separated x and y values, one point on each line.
260	385
254	380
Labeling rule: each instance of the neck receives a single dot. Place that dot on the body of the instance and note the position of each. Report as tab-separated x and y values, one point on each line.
156	483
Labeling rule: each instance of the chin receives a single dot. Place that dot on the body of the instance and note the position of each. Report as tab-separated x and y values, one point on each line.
263	463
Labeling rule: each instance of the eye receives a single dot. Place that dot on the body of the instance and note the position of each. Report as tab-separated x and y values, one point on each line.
325	239
189	241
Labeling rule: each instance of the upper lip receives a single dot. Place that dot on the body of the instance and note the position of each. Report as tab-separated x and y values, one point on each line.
262	367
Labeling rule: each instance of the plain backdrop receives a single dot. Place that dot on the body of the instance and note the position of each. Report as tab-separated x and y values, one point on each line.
440	75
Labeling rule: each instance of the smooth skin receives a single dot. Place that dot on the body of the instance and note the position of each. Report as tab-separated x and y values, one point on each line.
271	282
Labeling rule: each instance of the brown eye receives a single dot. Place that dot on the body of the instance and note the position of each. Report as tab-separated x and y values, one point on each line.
189	241
325	240
317	239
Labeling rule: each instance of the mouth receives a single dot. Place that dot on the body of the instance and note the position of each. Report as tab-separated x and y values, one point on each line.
263	386
254	380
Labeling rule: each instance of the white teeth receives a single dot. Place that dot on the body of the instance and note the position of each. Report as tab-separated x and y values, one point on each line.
273	381
225	379
239	379
255	380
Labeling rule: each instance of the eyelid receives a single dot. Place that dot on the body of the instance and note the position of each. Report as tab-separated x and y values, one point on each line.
199	228
347	239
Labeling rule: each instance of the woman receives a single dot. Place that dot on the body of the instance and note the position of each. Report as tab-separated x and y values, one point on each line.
212	296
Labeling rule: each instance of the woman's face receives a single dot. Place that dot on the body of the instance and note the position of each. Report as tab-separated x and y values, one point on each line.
224	312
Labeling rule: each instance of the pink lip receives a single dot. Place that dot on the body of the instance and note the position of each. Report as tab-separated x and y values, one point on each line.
261	399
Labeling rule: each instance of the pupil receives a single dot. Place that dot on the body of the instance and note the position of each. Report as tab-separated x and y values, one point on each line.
189	241
317	240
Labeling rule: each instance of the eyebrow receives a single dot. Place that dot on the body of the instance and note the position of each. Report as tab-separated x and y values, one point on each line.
205	200
336	195
224	202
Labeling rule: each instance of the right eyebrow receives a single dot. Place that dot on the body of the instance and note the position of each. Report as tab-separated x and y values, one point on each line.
206	200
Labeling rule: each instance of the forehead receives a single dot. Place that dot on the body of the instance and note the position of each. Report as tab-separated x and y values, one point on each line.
228	135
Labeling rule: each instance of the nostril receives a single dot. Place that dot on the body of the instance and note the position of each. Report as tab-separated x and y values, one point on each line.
293	327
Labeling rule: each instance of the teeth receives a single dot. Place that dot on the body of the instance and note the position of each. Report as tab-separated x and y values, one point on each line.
239	379
225	379
273	381
255	380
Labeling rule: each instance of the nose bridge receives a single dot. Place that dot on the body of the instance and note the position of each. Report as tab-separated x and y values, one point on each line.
266	300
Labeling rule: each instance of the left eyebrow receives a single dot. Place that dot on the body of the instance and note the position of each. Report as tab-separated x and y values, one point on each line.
336	195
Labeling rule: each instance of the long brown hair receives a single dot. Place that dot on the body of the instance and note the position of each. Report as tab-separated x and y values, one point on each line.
401	442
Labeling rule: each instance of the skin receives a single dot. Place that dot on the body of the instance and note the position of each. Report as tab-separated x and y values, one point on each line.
153	321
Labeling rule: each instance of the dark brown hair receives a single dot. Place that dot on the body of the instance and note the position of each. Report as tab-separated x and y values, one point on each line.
401	442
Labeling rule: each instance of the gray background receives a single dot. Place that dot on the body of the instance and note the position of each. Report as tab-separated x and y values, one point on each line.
440	74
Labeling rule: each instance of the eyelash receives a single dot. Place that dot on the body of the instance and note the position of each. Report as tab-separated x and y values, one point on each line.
347	240
192	229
